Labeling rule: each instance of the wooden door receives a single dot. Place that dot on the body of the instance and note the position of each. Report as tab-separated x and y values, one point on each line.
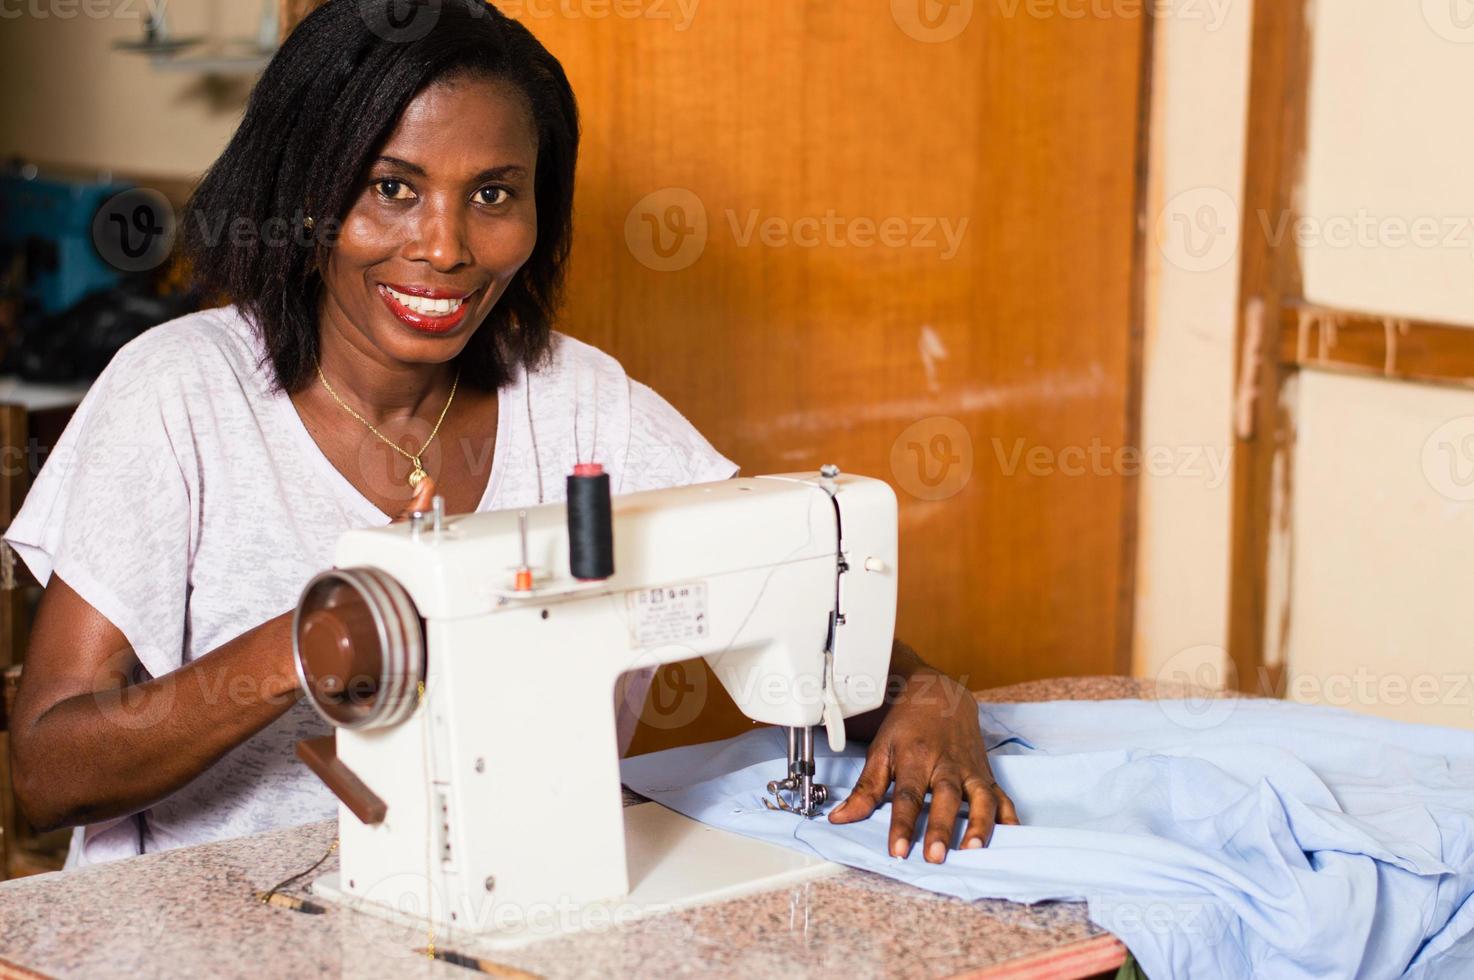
899	237
764	209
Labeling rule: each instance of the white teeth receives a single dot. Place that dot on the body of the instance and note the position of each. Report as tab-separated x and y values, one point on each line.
423	306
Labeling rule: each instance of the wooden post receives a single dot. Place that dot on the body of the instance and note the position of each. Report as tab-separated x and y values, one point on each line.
1270	280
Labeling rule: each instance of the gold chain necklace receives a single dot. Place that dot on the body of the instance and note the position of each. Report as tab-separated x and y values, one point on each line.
418	473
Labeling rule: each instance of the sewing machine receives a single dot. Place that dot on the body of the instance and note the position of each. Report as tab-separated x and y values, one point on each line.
471	680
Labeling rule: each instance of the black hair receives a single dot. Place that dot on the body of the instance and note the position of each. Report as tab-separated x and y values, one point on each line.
324	105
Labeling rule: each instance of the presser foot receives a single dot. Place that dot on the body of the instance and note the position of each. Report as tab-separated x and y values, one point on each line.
798	793
810	808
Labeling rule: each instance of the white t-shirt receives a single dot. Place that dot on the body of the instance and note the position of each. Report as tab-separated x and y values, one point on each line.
187	503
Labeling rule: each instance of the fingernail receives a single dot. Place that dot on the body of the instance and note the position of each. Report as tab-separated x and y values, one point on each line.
900	848
973	843
936	852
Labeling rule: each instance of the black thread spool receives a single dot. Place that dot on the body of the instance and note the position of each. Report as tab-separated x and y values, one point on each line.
590	526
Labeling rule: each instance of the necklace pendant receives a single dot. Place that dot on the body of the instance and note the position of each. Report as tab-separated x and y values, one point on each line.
416	475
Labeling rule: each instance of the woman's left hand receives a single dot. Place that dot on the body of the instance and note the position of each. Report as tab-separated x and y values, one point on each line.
929	740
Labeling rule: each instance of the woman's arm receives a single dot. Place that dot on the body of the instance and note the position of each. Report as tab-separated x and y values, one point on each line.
87	745
926	738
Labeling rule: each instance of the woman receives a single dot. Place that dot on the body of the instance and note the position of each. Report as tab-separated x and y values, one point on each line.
408	301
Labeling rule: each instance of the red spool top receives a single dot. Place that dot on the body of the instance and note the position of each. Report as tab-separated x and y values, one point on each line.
588	469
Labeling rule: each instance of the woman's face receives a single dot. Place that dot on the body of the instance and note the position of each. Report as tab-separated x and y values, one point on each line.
443	222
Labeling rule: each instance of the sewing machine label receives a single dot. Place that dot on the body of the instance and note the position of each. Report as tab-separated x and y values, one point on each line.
674	614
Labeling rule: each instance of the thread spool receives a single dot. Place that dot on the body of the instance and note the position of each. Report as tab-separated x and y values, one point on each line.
590	526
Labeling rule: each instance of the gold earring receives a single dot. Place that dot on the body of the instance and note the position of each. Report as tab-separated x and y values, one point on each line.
307	223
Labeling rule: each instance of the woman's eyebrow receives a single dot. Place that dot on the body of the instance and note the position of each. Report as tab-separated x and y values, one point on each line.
510	171
413	168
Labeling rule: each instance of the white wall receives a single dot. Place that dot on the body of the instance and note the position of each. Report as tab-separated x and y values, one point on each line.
1378	566
69	98
1200	99
1390	145
1382	595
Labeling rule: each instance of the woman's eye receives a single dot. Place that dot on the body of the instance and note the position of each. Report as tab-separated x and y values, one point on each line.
492	195
394	190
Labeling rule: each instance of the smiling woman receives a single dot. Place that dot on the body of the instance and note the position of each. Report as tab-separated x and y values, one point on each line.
401	350
370	138
405	327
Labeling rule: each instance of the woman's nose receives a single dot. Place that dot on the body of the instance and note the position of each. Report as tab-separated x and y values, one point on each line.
440	239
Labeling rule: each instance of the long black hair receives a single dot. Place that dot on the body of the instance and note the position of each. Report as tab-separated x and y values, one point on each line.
324	105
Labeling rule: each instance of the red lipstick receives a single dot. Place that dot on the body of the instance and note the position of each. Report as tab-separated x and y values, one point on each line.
426	322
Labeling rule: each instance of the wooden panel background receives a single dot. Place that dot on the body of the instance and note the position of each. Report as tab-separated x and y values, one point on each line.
1003	371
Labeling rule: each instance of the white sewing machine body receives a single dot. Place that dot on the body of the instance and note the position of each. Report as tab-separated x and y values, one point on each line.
501	785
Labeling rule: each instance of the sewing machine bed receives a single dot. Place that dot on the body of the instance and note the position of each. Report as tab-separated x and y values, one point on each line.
675	863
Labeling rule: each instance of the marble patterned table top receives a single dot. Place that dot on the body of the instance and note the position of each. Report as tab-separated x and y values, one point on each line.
192	912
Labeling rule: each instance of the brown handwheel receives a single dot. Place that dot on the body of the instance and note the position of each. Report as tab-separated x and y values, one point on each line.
360	648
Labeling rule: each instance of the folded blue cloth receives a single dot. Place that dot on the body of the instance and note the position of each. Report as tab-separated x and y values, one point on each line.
1220	838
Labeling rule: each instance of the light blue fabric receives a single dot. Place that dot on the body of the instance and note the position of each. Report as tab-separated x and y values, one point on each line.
1216	839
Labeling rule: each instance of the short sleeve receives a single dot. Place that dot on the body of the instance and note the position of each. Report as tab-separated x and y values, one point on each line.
666	450
111	510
